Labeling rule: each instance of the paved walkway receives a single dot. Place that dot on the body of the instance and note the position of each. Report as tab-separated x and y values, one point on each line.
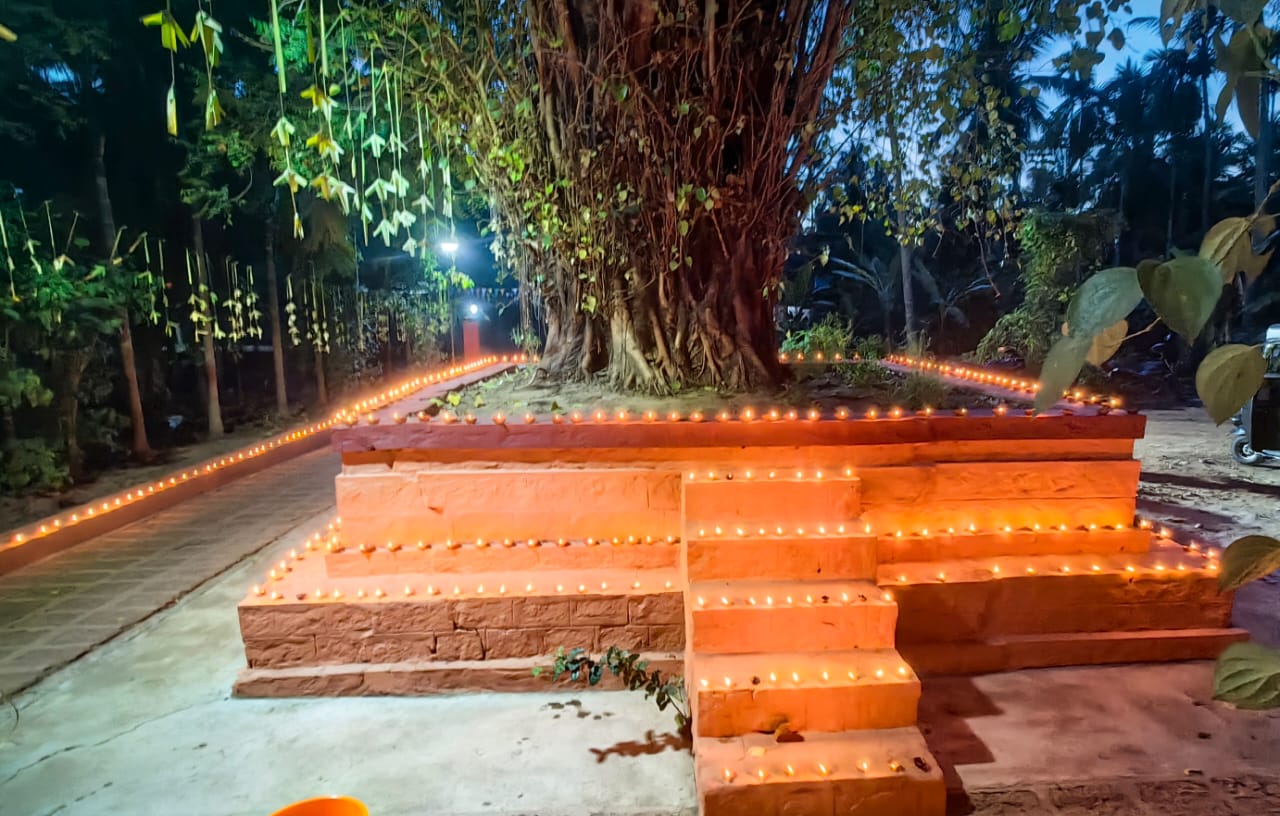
57	609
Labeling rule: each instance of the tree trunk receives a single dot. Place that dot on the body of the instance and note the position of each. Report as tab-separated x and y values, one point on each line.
1173	205
106	216
904	249
1262	153
322	392
74	362
214	407
1206	184
273	313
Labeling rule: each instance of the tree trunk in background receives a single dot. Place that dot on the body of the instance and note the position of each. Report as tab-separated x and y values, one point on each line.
273	311
214	407
1206	186
1173	205
322	391
141	448
1262	153
73	364
904	249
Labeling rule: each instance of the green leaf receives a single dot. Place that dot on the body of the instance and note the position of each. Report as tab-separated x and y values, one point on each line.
1245	12
1103	300
1248	559
1248	676
1061	367
1228	377
684	227
1184	292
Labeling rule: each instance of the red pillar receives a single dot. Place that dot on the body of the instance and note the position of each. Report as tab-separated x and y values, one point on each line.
470	339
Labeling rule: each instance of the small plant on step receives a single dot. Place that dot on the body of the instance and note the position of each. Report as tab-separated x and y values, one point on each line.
666	691
1248	674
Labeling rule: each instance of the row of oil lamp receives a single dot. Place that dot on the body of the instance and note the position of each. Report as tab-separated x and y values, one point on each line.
866	529
797	679
143	491
821	769
334	544
985	377
745	415
790	600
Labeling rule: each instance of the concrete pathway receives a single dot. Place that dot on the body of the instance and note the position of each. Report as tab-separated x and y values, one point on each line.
57	609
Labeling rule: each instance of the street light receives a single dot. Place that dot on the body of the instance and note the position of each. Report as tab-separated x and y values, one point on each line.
451	247
473	310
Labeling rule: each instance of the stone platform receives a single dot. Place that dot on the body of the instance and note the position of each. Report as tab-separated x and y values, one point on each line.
804	571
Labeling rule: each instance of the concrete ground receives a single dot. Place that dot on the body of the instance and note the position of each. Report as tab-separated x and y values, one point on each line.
144	723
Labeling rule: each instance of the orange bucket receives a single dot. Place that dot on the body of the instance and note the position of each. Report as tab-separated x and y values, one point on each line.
325	806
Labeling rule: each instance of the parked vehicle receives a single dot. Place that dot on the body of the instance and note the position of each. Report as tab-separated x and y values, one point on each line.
1256	437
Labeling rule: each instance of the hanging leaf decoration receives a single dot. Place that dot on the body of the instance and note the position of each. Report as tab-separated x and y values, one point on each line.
171	34
171	112
207	32
283	131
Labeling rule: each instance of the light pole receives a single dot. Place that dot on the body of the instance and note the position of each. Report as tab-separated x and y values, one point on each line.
450	247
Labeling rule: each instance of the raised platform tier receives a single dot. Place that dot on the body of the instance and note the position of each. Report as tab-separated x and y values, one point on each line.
802	571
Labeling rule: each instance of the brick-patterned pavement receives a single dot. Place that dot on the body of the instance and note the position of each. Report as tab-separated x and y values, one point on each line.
57	609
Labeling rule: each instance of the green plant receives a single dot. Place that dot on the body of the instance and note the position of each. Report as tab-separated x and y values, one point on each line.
870	348
865	374
832	336
1057	251
1248	674
918	391
666	691
1183	292
31	465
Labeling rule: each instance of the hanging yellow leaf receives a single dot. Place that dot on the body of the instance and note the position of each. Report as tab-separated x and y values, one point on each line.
171	112
208	32
213	112
325	145
291	178
7	34
171	34
283	131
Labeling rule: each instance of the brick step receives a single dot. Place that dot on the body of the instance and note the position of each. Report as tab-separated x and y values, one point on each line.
412	678
821	555
787	616
959	543
887	772
770	498
973	600
308	618
809	691
1069	649
504	555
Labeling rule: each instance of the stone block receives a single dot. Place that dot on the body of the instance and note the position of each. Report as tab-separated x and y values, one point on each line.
504	643
667	607
631	638
342	647
413	616
852	558
576	637
459	646
280	652
770	501
482	614
666	638
540	613
605	611
286	620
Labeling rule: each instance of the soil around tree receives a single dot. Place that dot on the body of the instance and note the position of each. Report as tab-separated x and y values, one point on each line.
858	387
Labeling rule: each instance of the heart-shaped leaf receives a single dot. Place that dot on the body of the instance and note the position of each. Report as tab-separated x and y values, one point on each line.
1107	342
1248	676
1061	367
1184	292
1228	377
1102	300
1248	559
